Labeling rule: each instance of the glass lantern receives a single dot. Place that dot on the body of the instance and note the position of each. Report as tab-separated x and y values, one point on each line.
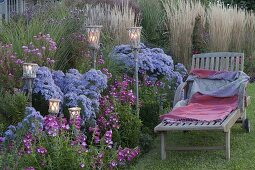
54	106
74	112
29	70
93	35
134	34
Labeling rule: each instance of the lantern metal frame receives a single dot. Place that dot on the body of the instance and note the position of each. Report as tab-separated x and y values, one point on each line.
57	106
93	38
29	74
134	34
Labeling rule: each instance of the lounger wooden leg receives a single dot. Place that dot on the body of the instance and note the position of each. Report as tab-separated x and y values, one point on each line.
163	145
227	144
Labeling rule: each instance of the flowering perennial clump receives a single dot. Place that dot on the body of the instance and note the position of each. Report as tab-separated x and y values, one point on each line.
27	141
40	50
45	85
33	122
10	67
152	62
73	89
108	118
127	154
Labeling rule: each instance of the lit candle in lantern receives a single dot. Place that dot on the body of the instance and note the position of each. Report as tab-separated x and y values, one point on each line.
93	34
29	70
54	106
74	112
134	34
92	38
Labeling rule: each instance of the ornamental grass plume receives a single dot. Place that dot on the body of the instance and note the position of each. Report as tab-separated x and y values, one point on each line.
179	22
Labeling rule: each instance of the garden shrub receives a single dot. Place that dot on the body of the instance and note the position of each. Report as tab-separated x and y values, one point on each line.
130	127
117	111
12	107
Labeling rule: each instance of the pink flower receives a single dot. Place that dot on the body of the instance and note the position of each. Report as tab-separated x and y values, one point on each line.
82	165
41	150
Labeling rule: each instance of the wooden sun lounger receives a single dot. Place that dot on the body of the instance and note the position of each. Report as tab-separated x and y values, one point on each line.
212	61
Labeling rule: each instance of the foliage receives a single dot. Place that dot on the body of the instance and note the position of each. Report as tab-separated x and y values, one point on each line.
198	37
243	4
249	66
153	22
130	127
12	107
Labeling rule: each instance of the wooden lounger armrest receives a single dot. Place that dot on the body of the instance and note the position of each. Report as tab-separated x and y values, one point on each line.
179	93
242	96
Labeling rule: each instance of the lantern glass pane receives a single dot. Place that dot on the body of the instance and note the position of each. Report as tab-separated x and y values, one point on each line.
93	35
54	106
134	34
29	70
74	112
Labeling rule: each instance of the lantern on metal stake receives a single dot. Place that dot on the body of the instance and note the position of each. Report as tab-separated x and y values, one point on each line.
93	37
29	74
134	34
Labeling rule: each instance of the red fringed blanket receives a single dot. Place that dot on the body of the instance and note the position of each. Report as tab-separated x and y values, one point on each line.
204	108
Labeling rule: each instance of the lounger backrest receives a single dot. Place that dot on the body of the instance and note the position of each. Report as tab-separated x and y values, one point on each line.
219	61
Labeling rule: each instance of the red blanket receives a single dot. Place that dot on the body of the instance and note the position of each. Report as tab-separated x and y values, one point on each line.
204	108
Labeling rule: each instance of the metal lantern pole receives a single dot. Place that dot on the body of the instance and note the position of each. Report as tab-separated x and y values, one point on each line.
94	57
30	91
134	34
29	74
136	80
93	36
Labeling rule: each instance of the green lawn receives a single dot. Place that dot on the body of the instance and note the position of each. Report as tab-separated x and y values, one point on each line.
242	149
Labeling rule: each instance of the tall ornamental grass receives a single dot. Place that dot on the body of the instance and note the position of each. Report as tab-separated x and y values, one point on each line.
227	28
180	21
115	18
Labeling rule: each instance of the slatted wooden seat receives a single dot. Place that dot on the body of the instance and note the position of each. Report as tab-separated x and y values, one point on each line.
227	61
